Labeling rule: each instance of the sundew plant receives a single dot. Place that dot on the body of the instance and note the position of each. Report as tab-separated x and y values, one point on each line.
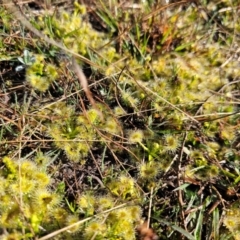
148	148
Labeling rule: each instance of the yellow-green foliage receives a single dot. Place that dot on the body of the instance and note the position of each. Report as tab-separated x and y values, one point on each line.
86	203
170	90
124	187
41	74
26	200
136	136
77	34
119	224
232	220
76	133
149	170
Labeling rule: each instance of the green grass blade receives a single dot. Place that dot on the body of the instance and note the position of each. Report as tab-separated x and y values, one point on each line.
180	230
215	224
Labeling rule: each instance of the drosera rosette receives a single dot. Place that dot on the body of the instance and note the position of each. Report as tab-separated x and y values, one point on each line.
117	224
71	219
129	98
149	170
60	110
124	187
46	200
119	111
121	228
10	214
86	203
75	134
171	143
41	74
42	178
112	125
130	213
74	31
93	116
136	136
123	221
176	120
135	213
76	150
211	129
96	229
108	57
27	198
26	188
228	133
231	220
11	236
43	160
104	202
55	219
11	167
213	148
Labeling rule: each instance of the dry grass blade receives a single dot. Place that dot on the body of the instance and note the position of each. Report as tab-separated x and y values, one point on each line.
84	83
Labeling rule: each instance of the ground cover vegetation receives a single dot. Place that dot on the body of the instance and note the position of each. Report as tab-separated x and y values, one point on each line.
156	156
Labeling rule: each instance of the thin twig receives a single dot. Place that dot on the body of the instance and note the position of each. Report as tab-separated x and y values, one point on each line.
49	236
